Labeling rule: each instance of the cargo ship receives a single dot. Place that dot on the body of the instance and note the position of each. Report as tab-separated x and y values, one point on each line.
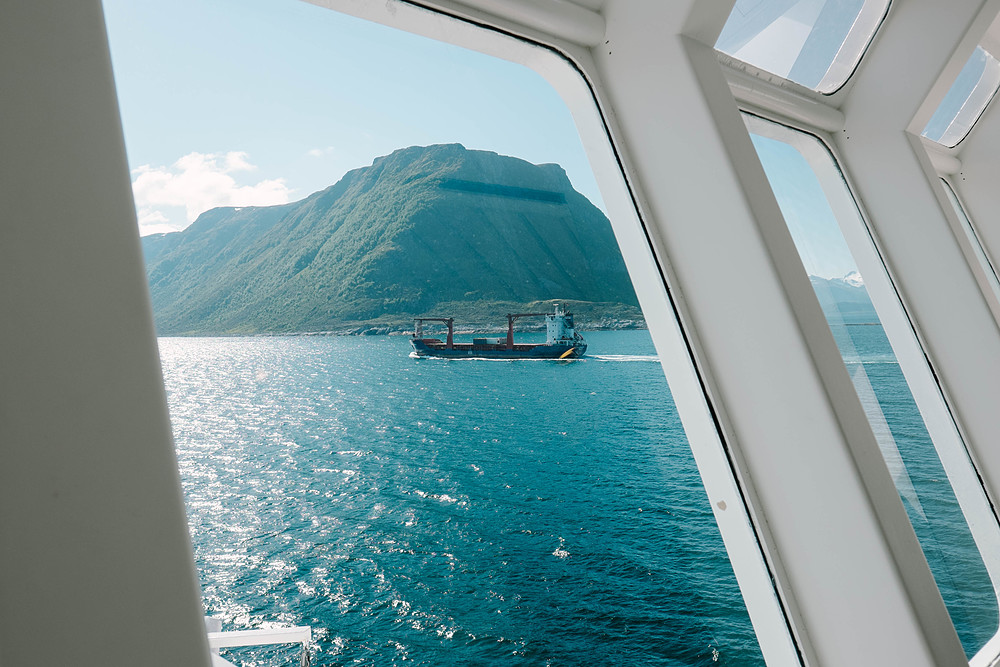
561	340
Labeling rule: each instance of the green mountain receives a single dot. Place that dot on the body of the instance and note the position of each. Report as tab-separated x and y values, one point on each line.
437	230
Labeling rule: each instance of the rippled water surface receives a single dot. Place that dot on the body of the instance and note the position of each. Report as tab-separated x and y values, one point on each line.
474	512
440	512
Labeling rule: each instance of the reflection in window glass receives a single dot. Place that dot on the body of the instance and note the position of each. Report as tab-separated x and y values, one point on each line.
910	455
970	231
966	100
816	43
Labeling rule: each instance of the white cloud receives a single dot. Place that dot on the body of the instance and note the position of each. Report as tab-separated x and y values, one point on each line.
319	152
196	183
148	216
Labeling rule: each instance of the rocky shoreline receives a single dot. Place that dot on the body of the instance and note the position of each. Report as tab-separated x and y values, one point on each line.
407	330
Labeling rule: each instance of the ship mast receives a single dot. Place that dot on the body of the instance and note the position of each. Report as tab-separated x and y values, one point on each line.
418	329
510	325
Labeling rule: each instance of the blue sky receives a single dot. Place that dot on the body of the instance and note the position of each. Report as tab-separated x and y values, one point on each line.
811	221
239	102
257	102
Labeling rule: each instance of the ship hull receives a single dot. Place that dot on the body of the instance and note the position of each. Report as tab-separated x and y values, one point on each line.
434	348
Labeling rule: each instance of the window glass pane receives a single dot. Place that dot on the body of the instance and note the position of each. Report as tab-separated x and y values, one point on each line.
913	460
966	100
433	511
816	43
970	231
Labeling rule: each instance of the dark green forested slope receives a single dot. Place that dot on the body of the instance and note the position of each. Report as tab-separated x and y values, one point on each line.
425	230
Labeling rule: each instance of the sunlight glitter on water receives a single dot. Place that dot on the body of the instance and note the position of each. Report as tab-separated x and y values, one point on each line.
486	512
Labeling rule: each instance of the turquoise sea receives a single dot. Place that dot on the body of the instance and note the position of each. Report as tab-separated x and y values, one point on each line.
474	512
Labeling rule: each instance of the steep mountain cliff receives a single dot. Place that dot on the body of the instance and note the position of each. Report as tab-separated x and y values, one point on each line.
422	231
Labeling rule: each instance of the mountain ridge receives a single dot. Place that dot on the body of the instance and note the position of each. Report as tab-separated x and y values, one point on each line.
419	227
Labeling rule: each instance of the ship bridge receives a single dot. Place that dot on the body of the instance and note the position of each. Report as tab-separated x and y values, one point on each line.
889	108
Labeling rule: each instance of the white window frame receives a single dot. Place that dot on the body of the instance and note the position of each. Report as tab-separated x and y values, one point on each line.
967	228
974	105
914	361
856	42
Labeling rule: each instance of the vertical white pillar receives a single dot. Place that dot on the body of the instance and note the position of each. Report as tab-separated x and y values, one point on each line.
95	561
851	571
897	185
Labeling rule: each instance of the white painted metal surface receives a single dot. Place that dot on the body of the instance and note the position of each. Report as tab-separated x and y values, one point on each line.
909	216
92	532
561	18
300	634
261	637
95	564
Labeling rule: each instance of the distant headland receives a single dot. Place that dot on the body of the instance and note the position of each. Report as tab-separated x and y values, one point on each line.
423	231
